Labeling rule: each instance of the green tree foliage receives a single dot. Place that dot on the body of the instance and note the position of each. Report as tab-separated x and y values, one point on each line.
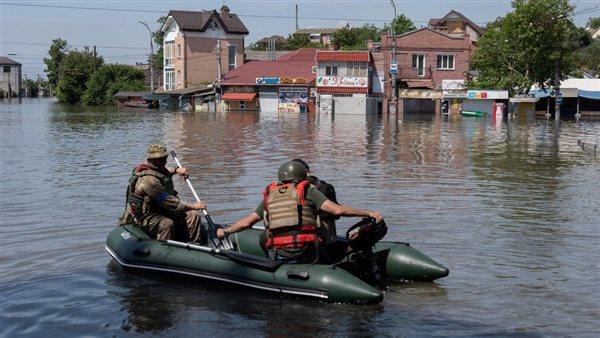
355	38
157	58
588	58
295	41
401	25
110	79
525	46
56	53
75	70
32	87
595	23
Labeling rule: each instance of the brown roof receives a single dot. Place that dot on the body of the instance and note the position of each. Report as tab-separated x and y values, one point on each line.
317	30
297	64
441	21
198	21
7	61
343	56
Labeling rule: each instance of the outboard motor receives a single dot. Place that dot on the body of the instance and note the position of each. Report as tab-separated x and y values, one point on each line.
361	237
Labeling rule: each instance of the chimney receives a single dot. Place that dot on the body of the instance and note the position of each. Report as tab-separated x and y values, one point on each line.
224	11
370	44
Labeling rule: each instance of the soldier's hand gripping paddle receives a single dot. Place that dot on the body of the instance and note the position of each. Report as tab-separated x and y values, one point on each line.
221	244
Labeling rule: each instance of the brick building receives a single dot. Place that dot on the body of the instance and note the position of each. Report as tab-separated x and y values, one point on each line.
193	42
427	59
456	24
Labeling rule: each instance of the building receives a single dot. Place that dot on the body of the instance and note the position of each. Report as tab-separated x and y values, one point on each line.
579	96
201	46
426	59
11	77
284	85
323	36
344	82
456	24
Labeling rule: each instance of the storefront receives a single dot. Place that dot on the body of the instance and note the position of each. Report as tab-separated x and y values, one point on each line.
240	101
484	102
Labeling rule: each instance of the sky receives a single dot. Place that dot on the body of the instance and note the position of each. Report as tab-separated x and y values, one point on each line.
27	29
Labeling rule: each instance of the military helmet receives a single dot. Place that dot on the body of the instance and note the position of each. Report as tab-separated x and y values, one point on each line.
157	150
291	171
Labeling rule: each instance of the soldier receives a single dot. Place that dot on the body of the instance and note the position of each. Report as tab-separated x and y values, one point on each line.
153	201
325	221
290	208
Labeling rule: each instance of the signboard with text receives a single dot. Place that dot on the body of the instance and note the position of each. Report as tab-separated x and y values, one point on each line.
267	80
342	81
487	94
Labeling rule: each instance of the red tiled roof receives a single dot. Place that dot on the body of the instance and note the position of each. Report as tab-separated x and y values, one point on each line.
343	56
239	96
297	64
342	90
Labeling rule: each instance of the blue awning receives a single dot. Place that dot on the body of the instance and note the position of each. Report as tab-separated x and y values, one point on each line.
588	94
540	93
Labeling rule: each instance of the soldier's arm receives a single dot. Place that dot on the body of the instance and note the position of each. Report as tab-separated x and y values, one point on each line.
151	187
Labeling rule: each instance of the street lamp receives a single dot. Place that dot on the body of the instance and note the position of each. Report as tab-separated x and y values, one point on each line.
151	58
394	62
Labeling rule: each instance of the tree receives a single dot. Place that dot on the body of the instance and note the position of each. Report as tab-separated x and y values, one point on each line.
355	38
157	58
110	79
401	25
588	58
295	41
31	86
595	23
56	53
75	70
530	45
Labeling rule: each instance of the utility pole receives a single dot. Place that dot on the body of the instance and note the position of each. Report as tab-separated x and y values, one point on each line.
151	58
296	17
394	62
219	59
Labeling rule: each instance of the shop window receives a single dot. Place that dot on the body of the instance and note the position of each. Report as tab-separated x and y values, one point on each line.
242	105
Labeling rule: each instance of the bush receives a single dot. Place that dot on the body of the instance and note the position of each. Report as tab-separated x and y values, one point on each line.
110	79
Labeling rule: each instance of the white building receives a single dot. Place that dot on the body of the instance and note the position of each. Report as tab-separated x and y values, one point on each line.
11	76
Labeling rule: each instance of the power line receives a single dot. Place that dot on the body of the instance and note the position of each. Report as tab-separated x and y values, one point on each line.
70	45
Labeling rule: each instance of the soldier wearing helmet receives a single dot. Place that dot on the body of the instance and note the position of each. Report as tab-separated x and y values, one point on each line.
153	202
289	209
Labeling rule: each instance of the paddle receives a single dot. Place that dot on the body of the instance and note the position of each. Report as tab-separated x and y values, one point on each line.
225	243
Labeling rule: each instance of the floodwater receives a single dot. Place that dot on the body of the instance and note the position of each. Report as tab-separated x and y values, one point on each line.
512	208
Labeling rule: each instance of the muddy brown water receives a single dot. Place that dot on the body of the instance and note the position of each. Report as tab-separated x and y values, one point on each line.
512	208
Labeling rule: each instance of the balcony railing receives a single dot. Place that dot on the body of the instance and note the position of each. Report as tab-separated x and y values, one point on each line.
407	72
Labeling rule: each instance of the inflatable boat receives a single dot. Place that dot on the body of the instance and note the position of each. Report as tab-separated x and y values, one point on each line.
348	280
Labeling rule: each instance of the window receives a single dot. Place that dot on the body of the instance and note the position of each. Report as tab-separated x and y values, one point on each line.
169	80
331	71
356	70
242	105
231	50
6	69
178	76
445	61
178	50
168	53
418	63
213	25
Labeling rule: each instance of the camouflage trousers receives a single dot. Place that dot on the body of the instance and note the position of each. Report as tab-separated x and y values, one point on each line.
184	228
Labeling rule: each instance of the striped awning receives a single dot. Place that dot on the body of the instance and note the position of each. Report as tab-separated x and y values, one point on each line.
239	96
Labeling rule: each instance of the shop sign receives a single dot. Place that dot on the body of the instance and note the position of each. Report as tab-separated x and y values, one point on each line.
292	80
454	95
487	94
241	89
267	80
453	84
342	81
288	107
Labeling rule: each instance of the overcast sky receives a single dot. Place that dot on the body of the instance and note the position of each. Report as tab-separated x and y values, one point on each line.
26	31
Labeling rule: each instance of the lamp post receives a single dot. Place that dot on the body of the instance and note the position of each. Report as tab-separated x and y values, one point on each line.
151	58
394	62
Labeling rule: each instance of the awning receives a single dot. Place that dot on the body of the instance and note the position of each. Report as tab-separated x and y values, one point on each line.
239	96
588	94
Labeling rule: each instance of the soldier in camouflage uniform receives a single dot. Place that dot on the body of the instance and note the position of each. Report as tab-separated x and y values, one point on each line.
153	202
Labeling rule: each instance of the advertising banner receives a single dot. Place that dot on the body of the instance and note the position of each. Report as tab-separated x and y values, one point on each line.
342	81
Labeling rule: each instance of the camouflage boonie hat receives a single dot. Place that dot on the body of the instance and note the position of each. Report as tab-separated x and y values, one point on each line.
157	150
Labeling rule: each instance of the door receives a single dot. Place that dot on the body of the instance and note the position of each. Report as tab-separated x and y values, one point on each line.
268	101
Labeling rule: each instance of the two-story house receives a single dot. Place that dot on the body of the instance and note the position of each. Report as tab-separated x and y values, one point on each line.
427	61
199	47
323	36
344	82
10	77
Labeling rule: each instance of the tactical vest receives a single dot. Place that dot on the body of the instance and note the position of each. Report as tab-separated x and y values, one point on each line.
135	199
290	222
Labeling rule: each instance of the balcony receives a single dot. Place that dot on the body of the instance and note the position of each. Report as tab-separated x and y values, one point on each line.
409	73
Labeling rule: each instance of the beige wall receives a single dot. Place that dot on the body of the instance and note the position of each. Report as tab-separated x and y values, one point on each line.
235	105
